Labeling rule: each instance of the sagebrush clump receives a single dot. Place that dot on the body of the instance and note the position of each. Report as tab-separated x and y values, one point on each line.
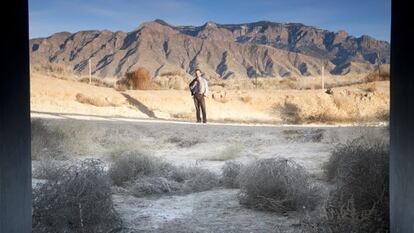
277	184
360	199
75	198
46	142
230	173
145	175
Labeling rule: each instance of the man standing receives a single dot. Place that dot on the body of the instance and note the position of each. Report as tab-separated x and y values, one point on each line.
199	90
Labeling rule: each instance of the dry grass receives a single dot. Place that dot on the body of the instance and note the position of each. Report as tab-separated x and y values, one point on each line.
172	82
230	173
98	102
183	115
123	85
46	142
383	75
154	185
51	68
131	165
140	78
372	87
290	112
304	135
360	200
229	153
221	97
246	99
96	82
184	142
146	175
347	218
75	198
383	115
279	185
172	73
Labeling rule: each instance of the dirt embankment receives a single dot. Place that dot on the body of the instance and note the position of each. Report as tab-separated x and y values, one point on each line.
356	103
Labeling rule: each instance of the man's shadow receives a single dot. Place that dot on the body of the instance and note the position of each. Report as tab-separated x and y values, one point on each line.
140	106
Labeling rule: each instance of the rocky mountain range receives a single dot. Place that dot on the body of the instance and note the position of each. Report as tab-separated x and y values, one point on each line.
260	49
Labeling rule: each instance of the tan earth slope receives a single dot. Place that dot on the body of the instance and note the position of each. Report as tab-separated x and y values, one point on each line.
356	103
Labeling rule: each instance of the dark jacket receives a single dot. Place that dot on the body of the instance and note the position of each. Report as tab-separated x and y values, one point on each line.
195	87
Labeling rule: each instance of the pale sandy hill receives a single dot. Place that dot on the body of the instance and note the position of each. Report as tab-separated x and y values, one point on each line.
356	103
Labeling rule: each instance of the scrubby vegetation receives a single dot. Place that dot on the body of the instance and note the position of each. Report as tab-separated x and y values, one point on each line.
382	75
74	198
139	79
132	165
228	153
45	141
176	80
230	173
98	102
96	82
148	175
184	142
277	184
360	200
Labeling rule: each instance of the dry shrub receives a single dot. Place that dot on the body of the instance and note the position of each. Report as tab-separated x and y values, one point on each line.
383	115
360	200
154	185
277	184
49	169
172	73
371	88
81	98
184	142
172	82
378	76
140	79
77	198
221	97
230	172
96	81
347	218
46	142
230	152
322	117
347	104
147	175
183	115
197	179
131	165
290	112
304	135
369	148
246	99
56	68
123	85
289	83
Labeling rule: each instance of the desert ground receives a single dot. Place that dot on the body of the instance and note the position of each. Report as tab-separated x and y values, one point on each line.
346	104
74	121
189	144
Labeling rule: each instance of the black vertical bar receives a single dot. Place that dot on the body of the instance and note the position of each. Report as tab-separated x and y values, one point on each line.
15	161
402	120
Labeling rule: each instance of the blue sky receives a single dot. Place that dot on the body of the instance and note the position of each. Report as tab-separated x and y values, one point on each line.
357	17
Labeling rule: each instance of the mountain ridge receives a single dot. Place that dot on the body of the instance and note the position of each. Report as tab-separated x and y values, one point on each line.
263	48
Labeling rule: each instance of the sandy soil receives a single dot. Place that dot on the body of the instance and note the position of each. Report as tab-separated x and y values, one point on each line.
101	123
364	102
208	146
